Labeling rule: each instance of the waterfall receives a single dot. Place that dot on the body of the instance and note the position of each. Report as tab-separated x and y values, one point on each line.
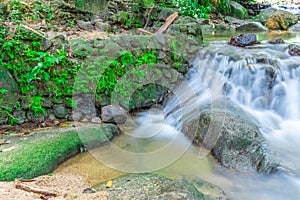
263	81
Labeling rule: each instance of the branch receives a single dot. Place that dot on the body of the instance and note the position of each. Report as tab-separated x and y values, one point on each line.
168	22
19	185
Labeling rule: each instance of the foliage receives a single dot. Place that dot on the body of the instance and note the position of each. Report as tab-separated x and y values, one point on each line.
32	68
19	10
192	8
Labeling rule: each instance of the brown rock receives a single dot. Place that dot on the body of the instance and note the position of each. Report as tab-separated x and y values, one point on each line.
281	20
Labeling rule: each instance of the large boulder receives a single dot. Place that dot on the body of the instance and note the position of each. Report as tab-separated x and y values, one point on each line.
237	10
252	26
187	26
45	150
264	15
281	20
295	28
153	186
239	143
9	92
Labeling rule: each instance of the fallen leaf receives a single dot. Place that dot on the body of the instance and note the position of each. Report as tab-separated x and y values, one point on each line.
108	184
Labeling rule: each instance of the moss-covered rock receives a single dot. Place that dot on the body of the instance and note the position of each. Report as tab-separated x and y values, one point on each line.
9	92
41	152
281	20
239	144
153	186
237	10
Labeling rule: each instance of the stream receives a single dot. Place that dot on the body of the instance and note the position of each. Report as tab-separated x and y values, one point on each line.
263	81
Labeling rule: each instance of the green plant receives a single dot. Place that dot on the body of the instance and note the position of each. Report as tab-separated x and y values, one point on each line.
192	8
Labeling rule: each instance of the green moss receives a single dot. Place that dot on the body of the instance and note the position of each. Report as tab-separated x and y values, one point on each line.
42	152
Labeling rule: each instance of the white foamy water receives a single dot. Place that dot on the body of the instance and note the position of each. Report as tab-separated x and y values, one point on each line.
265	82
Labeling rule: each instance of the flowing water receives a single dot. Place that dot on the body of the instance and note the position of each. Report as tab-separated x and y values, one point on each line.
264	81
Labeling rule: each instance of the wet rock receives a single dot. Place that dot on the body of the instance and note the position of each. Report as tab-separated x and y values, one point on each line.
153	186
264	15
252	27
294	50
281	20
237	10
60	111
85	25
244	40
236	140
295	27
113	114
277	40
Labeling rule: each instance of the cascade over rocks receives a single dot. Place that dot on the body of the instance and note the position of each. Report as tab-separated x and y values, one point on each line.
240	145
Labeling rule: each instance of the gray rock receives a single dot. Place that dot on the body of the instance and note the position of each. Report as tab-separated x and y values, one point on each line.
165	13
9	91
244	40
295	28
237	10
76	116
264	15
277	40
103	26
153	186
60	111
234	21
294	50
46	45
96	120
239	143
85	25
190	29
113	114
252	26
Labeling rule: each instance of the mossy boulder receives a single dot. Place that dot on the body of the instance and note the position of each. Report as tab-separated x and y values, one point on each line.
41	152
153	186
237	10
281	20
239	144
9	92
92	6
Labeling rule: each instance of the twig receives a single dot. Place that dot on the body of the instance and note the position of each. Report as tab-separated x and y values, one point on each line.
31	29
148	18
168	22
144	31
19	185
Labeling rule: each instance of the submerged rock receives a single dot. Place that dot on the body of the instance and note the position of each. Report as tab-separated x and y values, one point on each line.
153	186
239	144
244	40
